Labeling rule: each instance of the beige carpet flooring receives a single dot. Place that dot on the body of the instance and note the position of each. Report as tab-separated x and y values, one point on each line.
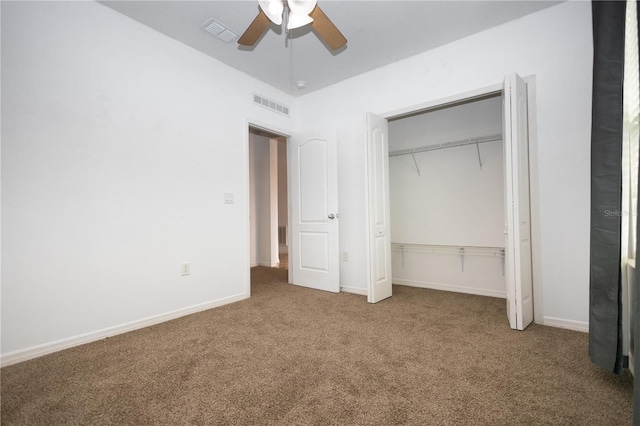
295	356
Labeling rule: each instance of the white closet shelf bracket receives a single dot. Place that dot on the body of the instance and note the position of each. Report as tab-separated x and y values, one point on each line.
416	163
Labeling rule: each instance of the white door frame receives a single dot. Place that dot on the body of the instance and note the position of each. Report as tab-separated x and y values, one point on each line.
533	166
275	130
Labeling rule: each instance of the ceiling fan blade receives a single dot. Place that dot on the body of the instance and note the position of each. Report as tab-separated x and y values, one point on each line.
326	30
255	30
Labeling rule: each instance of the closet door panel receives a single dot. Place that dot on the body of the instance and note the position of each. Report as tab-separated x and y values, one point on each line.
517	210
379	229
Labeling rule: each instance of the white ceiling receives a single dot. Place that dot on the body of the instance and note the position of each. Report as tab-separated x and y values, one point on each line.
378	33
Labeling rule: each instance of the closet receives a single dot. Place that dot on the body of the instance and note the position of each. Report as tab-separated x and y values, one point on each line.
446	181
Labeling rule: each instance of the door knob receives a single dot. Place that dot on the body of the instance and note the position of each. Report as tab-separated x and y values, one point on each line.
332	216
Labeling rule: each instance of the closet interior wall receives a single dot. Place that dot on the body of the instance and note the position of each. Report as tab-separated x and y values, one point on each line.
447	204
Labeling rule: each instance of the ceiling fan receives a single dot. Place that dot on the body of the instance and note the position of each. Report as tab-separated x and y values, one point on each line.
297	13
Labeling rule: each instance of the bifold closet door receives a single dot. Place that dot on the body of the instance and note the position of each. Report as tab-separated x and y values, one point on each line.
518	269
379	226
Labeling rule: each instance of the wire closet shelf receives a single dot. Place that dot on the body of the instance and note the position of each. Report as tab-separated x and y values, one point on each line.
454	144
461	251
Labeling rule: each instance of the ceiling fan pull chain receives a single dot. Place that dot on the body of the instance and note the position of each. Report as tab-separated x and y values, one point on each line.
285	20
290	59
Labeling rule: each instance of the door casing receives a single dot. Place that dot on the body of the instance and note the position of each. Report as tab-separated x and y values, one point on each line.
276	131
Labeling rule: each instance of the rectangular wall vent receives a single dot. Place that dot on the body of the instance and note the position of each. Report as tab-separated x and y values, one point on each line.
270	104
219	30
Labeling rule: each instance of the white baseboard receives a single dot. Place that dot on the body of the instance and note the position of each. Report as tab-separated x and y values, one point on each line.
354	290
284	249
58	345
565	323
450	287
267	264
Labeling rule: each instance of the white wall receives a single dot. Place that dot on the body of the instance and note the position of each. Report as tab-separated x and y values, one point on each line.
260	200
283	206
253	207
555	45
451	202
274	251
116	154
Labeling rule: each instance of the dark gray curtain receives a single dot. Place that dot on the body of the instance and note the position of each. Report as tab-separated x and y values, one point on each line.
605	334
605	326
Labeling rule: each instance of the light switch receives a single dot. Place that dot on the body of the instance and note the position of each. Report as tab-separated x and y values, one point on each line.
228	198
185	268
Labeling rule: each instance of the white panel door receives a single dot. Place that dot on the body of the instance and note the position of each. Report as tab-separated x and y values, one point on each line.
517	215
379	229
314	249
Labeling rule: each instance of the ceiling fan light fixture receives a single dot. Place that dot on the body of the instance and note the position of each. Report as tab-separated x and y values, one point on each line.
298	13
297	21
273	9
301	7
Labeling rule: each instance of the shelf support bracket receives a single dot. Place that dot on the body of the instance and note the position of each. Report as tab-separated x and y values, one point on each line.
402	250
462	258
479	158
416	163
502	254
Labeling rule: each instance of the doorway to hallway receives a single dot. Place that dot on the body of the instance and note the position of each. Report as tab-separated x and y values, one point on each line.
268	198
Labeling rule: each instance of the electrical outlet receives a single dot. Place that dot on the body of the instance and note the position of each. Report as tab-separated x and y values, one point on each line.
345	256
186	268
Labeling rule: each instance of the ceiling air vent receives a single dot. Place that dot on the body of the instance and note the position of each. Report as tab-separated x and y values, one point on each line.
219	30
272	105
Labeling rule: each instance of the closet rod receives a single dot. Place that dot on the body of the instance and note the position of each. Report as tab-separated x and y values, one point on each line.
462	142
